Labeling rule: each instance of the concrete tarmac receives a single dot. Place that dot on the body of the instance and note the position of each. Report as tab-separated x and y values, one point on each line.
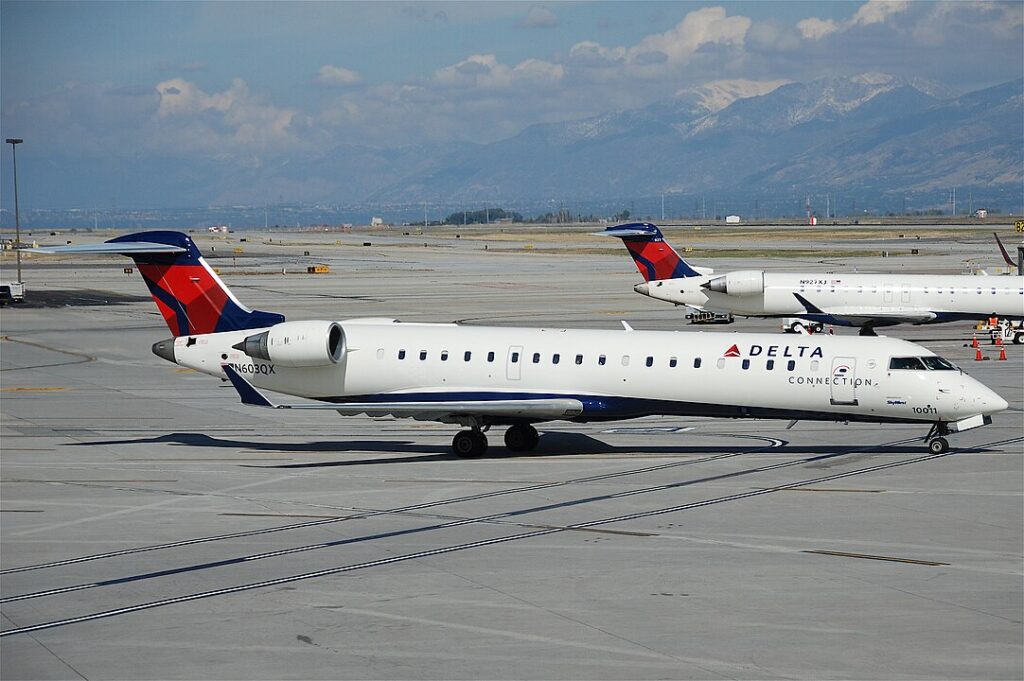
152	527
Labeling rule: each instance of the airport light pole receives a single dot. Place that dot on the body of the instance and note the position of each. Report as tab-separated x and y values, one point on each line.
14	142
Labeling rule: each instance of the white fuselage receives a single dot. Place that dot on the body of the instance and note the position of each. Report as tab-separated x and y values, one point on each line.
615	374
853	299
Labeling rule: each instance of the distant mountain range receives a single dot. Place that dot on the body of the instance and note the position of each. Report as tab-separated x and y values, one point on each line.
870	135
873	138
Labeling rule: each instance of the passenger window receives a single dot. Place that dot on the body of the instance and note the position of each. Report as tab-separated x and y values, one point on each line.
745	364
650	361
401	354
423	355
444	355
906	363
769	365
515	357
601	360
536	358
625	360
672	362
814	365
490	356
696	362
579	359
790	365
721	362
467	356
556	358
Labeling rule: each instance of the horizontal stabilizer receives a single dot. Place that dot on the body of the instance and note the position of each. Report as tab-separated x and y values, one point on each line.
541	409
123	248
624	232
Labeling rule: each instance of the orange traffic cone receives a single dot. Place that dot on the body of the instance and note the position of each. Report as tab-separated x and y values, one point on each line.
999	338
977	355
831	331
1002	354
974	341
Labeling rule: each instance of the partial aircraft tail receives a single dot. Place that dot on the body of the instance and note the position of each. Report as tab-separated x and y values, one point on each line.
653	256
191	297
1002	249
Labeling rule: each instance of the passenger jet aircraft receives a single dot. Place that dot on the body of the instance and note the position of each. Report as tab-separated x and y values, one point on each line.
864	300
480	377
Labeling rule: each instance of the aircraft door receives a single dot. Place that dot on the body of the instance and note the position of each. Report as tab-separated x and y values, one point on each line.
887	293
905	294
843	383
514	362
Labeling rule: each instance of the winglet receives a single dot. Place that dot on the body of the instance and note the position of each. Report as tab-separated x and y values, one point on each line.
1006	256
246	391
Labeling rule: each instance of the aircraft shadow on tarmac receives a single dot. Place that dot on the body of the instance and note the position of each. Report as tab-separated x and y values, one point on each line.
551	444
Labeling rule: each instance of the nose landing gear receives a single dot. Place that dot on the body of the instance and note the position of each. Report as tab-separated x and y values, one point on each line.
937	442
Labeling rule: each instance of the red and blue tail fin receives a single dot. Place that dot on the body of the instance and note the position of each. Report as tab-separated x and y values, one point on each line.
653	256
191	297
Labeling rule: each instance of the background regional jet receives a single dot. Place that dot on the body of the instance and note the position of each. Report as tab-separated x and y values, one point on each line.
494	376
862	300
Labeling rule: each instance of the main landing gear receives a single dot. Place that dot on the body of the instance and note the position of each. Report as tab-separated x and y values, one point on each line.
937	442
471	444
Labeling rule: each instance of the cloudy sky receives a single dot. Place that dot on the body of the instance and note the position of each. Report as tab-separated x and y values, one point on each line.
267	82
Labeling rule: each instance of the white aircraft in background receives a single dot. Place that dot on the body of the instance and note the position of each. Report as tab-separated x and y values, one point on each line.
863	300
480	377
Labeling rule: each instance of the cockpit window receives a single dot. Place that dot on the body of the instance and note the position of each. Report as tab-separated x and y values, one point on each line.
930	362
936	363
911	363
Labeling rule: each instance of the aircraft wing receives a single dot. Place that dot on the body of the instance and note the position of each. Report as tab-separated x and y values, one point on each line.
545	409
860	316
122	248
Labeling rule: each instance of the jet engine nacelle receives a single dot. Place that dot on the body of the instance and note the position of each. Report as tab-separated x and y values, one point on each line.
741	283
297	344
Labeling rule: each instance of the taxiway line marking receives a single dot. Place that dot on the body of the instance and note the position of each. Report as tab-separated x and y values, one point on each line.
454	548
868	556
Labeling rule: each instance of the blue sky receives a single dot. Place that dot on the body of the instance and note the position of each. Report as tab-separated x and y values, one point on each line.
269	82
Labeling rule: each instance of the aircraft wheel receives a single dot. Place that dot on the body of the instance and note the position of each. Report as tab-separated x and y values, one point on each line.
1018	338
469	444
521	438
796	327
938	446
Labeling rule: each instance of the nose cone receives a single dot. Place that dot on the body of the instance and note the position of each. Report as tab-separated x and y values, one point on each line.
986	401
994	403
643	288
165	350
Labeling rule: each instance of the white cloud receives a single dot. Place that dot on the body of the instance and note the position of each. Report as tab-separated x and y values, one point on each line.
877	12
816	29
484	71
539	17
709	25
337	76
230	121
871	12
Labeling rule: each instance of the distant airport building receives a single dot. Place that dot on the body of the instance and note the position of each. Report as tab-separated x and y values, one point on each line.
981	213
376	222
218	229
732	219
